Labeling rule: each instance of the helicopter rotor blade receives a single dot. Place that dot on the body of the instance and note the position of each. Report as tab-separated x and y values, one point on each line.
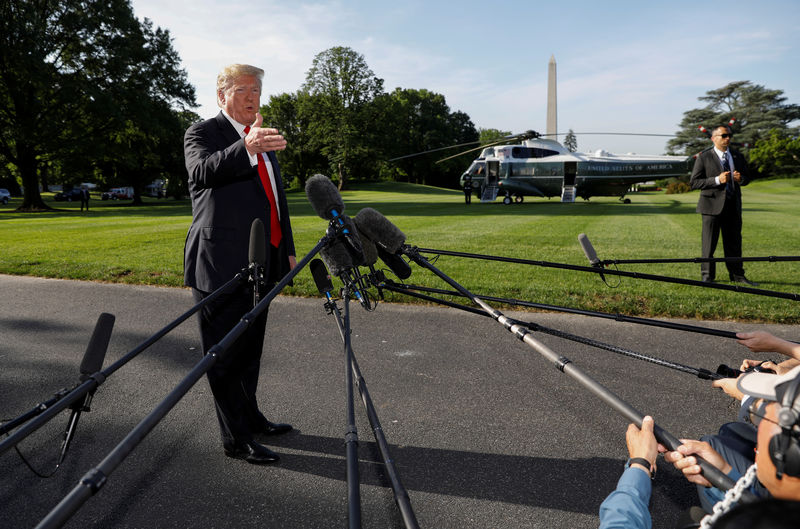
612	134
432	150
529	134
469	151
511	137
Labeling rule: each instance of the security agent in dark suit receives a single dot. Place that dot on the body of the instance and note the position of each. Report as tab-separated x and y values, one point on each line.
719	173
232	165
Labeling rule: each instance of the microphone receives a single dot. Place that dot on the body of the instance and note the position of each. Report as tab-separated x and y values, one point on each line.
257	257
257	252
370	251
350	233
387	237
327	202
730	372
321	278
591	255
92	363
96	350
338	260
588	249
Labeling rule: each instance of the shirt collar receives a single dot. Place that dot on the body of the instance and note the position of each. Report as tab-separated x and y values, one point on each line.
236	125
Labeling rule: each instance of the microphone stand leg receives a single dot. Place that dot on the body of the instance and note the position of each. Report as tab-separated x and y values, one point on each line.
351	433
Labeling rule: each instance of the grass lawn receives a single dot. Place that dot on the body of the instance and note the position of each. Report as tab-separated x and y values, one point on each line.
119	243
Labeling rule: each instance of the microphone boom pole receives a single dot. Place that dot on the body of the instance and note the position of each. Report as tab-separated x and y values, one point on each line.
351	433
401	497
699	372
768	259
635	275
98	378
97	477
406	288
715	476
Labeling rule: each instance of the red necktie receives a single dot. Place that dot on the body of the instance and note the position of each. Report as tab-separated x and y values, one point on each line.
274	224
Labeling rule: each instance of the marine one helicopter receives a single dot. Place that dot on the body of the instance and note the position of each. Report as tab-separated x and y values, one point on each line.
528	164
543	167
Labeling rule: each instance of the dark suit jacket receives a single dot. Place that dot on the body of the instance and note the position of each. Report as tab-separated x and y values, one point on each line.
226	195
706	168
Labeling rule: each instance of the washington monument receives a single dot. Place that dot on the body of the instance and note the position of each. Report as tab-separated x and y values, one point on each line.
552	119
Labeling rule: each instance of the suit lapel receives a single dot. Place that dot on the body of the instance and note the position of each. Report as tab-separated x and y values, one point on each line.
716	157
226	129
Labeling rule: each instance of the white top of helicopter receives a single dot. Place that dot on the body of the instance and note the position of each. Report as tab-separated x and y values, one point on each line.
551	150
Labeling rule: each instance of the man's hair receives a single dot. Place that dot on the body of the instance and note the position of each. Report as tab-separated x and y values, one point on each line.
230	73
725	126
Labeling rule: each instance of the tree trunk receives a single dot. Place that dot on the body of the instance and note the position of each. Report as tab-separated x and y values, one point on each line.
32	199
341	177
43	176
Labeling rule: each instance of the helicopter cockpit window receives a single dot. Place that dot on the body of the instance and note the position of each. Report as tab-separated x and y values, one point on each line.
477	169
532	152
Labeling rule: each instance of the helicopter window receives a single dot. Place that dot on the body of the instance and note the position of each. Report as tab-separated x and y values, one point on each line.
531	152
477	169
521	169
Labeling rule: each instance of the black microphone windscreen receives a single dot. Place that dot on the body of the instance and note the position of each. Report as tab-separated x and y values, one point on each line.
380	230
369	250
336	258
588	249
395	263
98	344
321	277
257	252
324	196
353	241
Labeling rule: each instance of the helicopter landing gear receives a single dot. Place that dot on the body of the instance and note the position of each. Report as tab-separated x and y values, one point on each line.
625	200
518	199
507	200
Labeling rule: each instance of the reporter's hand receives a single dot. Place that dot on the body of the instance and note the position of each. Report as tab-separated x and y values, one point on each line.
780	368
761	341
728	385
684	460
642	443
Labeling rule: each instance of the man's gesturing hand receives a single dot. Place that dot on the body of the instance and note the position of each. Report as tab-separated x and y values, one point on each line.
263	139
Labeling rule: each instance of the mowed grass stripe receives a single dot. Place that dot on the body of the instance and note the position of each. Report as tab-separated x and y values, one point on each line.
144	245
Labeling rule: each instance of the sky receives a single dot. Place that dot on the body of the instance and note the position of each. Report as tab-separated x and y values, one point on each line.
623	66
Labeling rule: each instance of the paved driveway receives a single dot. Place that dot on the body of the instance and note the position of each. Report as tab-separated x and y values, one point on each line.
484	432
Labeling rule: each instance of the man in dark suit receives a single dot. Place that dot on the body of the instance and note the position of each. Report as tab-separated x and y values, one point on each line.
84	198
234	178
720	172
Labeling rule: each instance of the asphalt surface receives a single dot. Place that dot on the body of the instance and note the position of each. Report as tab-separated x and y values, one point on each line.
484	431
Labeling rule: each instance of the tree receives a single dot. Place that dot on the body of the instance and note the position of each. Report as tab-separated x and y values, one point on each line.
492	135
84	85
344	86
756	111
777	155
570	141
420	121
293	115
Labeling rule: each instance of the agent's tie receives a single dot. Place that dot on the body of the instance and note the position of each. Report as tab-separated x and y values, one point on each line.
729	190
